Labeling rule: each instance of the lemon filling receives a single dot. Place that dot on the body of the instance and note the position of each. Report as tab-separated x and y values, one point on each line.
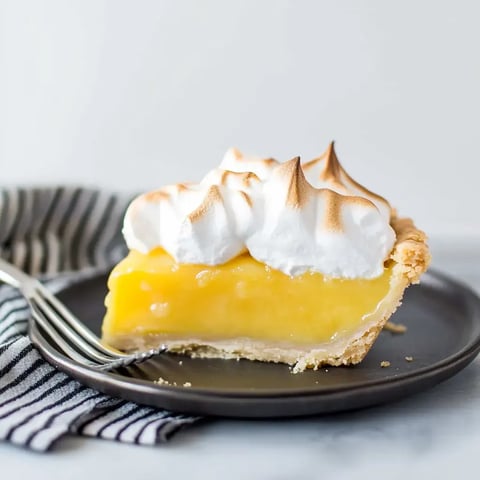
151	294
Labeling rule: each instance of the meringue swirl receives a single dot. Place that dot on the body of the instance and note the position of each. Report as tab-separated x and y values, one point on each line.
292	217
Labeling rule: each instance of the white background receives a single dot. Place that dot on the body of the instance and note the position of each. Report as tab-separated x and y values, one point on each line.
133	95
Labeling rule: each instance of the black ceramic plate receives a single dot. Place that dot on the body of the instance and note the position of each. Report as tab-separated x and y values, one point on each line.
443	336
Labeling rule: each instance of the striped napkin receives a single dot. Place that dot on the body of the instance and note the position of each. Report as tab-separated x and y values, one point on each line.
61	235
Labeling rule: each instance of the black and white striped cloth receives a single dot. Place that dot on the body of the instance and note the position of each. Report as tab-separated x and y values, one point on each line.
61	235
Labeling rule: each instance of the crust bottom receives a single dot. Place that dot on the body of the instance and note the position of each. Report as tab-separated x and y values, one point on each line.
411	257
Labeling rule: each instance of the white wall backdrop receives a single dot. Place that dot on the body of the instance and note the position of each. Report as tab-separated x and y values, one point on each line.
135	94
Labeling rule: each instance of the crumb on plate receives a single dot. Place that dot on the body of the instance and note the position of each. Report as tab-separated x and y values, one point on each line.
395	327
162	381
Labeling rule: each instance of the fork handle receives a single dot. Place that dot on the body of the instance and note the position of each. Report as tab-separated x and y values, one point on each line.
15	277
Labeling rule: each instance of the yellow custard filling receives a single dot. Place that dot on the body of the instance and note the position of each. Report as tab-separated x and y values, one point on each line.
152	294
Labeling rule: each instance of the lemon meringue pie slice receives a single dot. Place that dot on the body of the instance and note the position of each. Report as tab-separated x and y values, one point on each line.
269	261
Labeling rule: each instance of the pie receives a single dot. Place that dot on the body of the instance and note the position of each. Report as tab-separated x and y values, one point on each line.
277	262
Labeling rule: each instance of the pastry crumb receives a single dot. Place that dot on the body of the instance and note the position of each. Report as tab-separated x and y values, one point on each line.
395	327
187	384
180	362
326	370
162	381
409	359
384	363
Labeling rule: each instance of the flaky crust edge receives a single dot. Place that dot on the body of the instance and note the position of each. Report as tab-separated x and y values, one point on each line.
411	257
410	252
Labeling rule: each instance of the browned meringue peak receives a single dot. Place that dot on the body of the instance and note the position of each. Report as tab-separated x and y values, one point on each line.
212	198
234	160
333	201
246	178
326	171
298	189
243	181
216	197
289	182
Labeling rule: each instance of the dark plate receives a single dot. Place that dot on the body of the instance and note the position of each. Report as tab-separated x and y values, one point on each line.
443	336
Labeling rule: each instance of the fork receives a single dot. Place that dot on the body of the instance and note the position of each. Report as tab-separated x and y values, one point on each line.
67	331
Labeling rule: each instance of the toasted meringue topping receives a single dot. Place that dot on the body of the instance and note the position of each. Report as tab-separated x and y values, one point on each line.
298	190
292	217
326	171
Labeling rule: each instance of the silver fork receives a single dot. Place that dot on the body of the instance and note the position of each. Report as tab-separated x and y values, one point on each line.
68	332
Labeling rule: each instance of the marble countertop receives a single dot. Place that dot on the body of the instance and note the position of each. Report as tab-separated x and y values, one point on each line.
433	434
